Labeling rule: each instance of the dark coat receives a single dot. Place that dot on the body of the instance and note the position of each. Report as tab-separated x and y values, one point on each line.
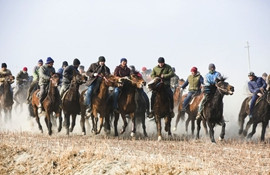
68	74
96	68
122	71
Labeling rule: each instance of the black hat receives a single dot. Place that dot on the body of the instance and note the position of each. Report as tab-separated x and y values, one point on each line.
211	66
251	74
101	59
161	60
4	65
65	63
76	62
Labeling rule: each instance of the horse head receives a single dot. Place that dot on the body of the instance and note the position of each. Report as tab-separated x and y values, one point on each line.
224	87
55	78
111	80
78	78
155	83
9	79
138	81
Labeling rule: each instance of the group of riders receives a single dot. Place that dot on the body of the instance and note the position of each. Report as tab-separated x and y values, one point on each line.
195	81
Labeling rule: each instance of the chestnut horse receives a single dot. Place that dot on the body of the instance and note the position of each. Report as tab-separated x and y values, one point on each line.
100	103
161	105
51	104
126	102
6	100
212	112
70	101
177	96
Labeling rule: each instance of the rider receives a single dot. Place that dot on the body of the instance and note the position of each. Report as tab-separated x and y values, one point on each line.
35	79
256	86
165	72
146	74
21	78
68	74
94	71
45	73
209	87
141	91
174	81
61	70
195	80
4	72
120	71
264	76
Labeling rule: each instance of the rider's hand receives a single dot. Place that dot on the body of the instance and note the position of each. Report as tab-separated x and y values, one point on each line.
259	94
162	75
95	74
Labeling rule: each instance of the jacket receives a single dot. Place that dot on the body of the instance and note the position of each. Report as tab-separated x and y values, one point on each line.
96	68
68	74
194	82
122	71
45	73
3	74
167	72
21	77
255	85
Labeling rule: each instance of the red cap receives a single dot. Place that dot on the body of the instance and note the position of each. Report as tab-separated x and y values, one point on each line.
25	69
143	68
194	69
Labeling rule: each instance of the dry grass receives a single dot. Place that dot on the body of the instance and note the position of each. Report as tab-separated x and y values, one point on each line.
26	153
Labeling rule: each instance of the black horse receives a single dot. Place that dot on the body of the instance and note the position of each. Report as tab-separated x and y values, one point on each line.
213	109
21	95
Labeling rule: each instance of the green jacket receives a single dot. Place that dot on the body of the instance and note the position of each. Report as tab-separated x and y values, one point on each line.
167	72
45	73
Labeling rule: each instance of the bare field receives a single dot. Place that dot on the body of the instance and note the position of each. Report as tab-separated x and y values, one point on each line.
28	153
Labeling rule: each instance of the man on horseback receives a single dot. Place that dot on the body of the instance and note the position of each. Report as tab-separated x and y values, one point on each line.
141	91
195	80
174	81
68	75
34	83
61	70
209	87
21	78
165	72
257	87
120	71
45	73
4	72
94	71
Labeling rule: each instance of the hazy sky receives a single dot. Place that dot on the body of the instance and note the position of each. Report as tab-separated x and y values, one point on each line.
185	32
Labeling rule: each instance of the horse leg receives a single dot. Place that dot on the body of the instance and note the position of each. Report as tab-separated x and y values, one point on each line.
133	131
253	131
205	127
187	122
241	121
116	118
107	124
67	123
82	123
100	124
73	122
198	128
48	123
39	125
177	120
192	126
125	123
264	125
158	123
211	129
94	123
143	126
222	134
247	127
60	121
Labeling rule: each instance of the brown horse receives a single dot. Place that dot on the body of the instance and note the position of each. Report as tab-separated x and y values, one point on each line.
51	104
70	101
178	93
6	98
244	111
126	102
161	105
213	109
100	103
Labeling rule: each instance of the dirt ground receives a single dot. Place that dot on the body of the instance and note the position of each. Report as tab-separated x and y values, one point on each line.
32	153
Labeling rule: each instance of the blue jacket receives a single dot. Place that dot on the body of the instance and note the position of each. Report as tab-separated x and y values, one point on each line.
255	85
210	78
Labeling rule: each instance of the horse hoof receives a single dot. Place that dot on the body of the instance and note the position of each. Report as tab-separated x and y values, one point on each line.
220	139
159	138
174	129
83	133
132	134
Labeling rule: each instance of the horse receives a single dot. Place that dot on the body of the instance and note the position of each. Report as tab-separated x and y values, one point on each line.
51	104
161	105
192	111
244	111
100	103
261	113
178	93
71	101
212	112
6	98
126	102
21	95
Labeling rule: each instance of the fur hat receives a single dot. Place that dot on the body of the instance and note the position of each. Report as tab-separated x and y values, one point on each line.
4	65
